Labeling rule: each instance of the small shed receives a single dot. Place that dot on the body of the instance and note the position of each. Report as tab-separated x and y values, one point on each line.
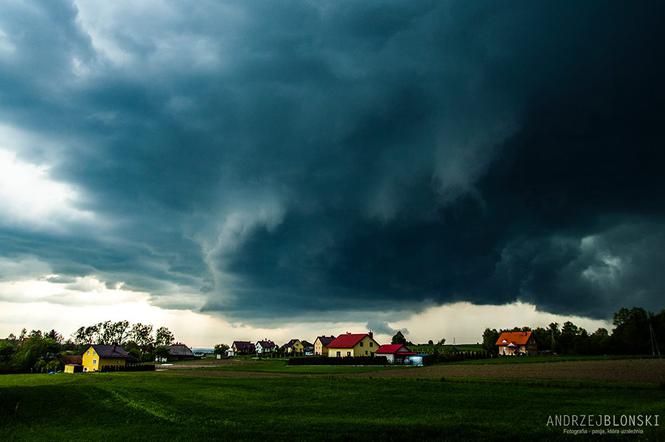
73	368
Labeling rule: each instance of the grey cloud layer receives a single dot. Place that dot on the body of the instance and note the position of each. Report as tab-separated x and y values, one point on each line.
325	157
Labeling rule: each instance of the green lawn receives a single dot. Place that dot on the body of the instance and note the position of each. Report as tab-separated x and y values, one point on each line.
181	406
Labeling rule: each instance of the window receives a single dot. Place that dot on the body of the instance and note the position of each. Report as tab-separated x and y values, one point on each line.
361	343
348	353
365	352
371	344
339	354
94	362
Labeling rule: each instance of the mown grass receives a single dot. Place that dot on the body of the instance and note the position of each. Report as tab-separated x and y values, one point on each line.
151	406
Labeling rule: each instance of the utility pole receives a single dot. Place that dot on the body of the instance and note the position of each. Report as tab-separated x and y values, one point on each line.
655	351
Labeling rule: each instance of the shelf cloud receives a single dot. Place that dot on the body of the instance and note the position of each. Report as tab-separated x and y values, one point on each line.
335	161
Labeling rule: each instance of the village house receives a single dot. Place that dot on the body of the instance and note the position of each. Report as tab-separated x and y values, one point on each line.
241	348
178	352
102	357
321	345
293	347
353	344
516	343
307	348
395	353
265	346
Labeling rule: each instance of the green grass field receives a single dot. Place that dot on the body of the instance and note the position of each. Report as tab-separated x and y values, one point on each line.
208	403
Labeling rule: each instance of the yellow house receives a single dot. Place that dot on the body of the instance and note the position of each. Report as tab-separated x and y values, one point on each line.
353	344
100	357
293	347
321	345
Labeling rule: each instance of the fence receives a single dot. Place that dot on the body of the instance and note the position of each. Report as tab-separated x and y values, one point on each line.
129	367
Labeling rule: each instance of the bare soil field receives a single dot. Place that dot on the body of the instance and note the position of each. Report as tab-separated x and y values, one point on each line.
620	370
626	370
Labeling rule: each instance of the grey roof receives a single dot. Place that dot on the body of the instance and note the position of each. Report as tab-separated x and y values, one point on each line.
110	351
291	343
180	350
325	340
243	345
266	343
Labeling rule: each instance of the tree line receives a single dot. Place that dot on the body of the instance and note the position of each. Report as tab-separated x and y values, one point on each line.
39	352
636	332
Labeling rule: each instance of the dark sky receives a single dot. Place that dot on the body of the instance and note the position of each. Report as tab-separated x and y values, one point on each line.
279	159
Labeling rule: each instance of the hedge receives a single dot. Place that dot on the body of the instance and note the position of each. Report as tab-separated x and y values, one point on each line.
349	360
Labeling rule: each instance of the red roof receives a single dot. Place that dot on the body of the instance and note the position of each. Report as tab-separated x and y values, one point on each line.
517	338
393	348
347	340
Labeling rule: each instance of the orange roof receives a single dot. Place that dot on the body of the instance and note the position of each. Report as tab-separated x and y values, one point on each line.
517	338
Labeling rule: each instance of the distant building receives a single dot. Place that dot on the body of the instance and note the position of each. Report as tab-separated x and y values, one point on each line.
293	347
178	352
353	344
242	348
516	343
321	345
307	348
265	346
395	353
100	357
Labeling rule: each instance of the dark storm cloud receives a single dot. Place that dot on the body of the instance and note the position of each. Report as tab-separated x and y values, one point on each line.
350	157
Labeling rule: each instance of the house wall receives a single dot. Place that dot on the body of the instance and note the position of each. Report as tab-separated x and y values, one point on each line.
90	360
297	348
320	349
366	347
112	363
530	348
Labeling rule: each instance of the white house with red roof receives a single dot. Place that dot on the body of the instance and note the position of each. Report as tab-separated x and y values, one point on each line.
394	353
516	343
353	345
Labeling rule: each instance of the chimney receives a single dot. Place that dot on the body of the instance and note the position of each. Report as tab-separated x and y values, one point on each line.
371	334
